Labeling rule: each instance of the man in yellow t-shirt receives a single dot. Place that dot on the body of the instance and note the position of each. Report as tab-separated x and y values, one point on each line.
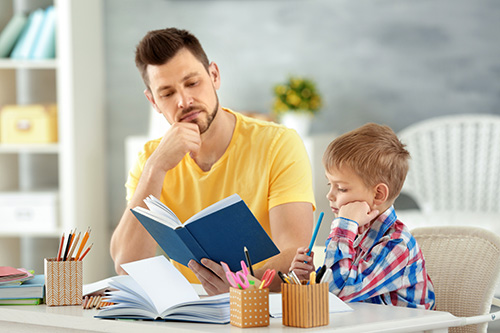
207	154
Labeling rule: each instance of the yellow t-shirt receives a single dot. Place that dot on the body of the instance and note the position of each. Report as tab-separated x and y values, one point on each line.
266	164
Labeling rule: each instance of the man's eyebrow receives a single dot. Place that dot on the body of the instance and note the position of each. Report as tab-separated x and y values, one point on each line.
185	78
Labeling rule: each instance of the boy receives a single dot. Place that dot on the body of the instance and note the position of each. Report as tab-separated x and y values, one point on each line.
372	255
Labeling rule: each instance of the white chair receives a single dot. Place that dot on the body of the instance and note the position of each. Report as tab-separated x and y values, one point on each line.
464	266
454	174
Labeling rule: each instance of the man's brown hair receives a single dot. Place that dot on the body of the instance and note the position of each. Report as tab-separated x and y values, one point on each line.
159	46
374	153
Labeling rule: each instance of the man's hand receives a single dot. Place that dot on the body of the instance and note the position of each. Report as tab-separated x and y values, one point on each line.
302	264
180	139
358	211
211	275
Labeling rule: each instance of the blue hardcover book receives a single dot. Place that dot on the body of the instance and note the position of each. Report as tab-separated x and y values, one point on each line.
45	43
11	33
23	47
219	232
33	288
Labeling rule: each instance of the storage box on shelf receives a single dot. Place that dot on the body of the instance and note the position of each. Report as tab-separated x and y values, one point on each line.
34	123
33	212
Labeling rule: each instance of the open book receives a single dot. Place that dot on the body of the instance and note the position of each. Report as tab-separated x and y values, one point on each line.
156	290
218	232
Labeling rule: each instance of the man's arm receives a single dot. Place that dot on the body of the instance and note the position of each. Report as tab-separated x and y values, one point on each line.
291	228
130	240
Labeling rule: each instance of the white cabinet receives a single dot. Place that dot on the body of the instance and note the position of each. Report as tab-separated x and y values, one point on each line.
74	167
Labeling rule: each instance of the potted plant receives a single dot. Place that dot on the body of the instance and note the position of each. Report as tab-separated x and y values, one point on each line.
296	102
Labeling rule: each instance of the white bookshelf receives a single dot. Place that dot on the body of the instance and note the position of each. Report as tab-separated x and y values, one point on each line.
74	167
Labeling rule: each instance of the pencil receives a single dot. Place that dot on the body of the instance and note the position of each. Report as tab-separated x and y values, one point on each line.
85	301
60	248
84	241
73	246
67	246
86	251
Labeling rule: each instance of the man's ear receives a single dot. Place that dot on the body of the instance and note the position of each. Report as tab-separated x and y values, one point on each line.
381	194
151	99
213	70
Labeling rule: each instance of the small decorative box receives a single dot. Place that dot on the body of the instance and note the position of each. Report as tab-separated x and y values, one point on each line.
305	305
249	307
63	282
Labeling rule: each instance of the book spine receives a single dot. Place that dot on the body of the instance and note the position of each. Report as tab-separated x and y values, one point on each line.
188	239
11	33
45	43
23	47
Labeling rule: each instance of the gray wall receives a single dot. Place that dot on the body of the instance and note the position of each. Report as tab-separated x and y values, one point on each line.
388	61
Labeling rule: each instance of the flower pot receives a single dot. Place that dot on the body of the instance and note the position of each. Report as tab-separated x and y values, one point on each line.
300	121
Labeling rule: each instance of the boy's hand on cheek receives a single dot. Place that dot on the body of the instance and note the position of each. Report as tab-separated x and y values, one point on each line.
358	211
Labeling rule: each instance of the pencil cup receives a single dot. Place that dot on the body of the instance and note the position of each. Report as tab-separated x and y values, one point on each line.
305	305
63	282
249	307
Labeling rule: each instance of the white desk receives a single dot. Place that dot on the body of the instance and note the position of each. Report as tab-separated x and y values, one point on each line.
365	318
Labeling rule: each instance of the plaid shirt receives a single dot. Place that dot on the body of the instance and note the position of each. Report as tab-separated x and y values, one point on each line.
384	265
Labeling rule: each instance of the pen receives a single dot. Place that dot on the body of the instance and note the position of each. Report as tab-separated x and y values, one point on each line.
249	263
326	276
315	233
294	277
312	277
319	275
60	248
282	277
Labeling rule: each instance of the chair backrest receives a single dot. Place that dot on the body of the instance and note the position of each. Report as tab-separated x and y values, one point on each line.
455	163
464	266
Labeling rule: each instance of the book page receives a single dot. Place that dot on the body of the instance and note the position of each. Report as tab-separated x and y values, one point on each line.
159	209
232	199
161	281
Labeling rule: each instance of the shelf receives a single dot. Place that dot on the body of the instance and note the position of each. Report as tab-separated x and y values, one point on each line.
9	234
41	148
75	165
28	64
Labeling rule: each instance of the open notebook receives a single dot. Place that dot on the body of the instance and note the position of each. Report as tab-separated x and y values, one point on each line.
156	290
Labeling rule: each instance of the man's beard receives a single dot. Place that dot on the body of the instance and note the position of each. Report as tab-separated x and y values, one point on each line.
210	117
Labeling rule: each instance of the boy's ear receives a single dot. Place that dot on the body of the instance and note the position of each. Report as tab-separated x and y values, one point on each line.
381	194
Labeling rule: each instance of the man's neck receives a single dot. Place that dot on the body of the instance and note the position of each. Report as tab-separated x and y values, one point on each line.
215	140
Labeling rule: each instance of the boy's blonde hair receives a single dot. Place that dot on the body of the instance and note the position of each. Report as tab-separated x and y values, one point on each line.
374	153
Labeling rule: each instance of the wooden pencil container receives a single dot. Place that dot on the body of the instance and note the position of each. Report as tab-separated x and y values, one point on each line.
63	282
249	307
305	305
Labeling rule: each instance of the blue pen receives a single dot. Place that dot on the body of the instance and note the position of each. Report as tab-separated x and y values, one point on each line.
315	233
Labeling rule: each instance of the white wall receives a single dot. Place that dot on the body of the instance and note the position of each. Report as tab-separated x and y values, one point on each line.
388	61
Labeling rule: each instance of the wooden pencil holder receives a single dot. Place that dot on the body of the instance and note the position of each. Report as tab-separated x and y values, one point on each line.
63	282
305	305
249	307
